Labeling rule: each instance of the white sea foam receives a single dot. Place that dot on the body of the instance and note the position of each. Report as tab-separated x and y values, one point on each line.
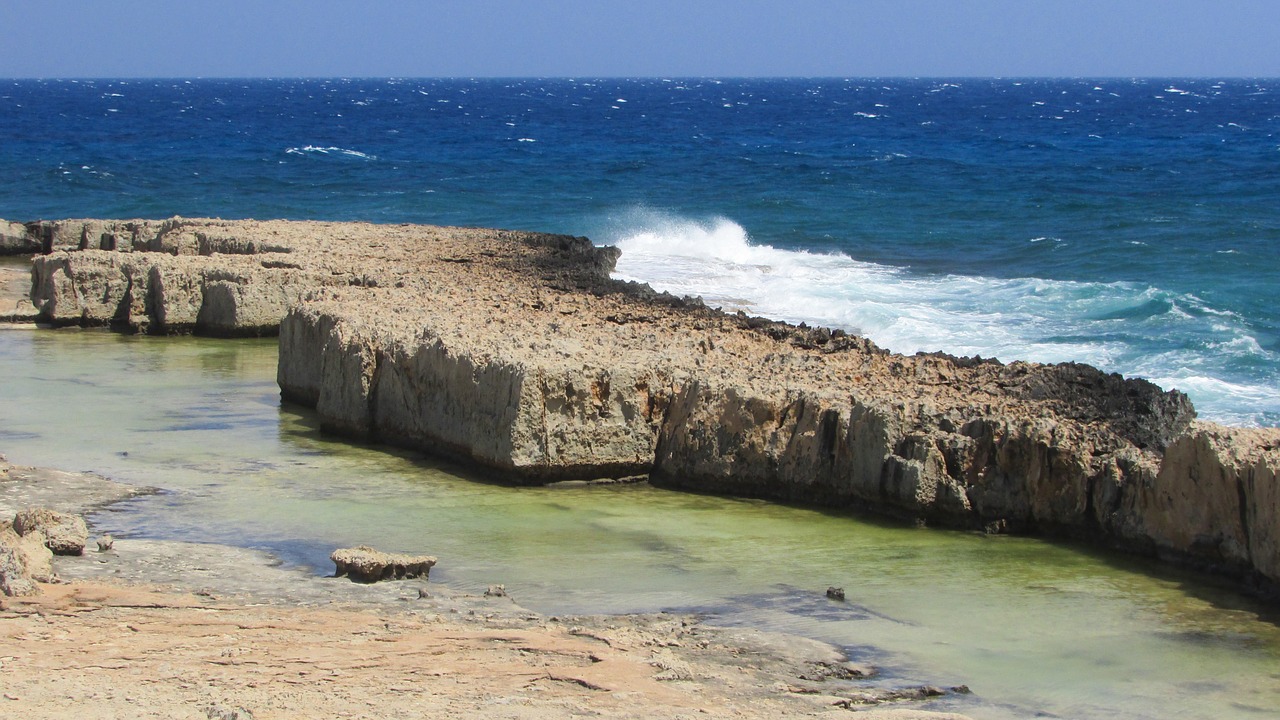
312	149
1176	340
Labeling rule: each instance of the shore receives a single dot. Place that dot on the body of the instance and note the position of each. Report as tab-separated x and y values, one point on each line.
179	630
518	354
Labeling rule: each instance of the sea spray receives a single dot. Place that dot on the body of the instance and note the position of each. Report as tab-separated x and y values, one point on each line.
1175	339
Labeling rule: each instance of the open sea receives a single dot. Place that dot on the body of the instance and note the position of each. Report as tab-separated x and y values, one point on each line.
1130	224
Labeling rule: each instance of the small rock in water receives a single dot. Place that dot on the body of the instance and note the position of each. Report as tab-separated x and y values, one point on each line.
365	564
105	543
422	593
496	591
835	593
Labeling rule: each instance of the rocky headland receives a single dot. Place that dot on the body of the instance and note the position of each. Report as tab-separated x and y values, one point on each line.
516	351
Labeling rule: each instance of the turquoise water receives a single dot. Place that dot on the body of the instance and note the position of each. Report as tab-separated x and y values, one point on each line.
1130	224
1031	627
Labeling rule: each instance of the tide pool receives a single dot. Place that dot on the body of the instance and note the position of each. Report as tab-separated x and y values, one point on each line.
1031	627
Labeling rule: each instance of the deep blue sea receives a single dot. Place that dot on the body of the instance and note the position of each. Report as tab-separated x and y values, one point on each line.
1131	224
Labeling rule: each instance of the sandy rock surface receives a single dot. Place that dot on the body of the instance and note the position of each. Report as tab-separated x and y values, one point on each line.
152	629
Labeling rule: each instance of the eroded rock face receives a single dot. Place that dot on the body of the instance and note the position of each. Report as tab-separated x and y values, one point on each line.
14	240
63	533
1216	497
365	564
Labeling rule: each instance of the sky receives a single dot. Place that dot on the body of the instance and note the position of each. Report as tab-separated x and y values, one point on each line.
615	38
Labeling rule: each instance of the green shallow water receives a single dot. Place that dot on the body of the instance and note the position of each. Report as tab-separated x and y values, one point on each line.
1034	628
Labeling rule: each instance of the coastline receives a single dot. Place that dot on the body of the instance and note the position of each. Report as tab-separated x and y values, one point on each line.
171	629
517	353
551	310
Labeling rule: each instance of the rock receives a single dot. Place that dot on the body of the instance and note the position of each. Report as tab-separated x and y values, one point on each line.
835	593
105	543
36	559
496	591
517	352
15	581
24	561
63	533
14	240
365	564
1215	500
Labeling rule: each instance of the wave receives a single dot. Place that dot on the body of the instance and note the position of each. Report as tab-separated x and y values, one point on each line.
313	149
1176	340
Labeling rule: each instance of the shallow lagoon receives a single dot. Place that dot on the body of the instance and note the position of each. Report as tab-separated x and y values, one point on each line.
1033	628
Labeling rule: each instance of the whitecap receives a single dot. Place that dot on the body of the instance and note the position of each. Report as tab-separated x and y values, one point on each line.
525	140
313	149
1123	327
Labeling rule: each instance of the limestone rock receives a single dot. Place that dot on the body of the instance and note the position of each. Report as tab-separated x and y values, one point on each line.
37	560
24	561
63	533
365	564
518	352
1216	497
14	240
15	581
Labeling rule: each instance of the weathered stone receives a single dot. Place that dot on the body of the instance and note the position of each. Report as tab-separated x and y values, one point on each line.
1215	499
63	533
365	564
14	240
517	352
14	579
24	561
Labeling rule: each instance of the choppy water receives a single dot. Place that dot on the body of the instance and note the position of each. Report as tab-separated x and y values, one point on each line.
1131	224
1031	627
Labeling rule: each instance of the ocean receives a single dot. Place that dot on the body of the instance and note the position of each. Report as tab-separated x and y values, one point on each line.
1130	224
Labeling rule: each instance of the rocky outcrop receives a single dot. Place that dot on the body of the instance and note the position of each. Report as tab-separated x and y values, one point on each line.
62	533
1216	500
517	352
365	564
24	561
14	240
148	276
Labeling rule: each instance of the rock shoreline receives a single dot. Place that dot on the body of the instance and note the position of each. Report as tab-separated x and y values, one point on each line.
181	630
517	352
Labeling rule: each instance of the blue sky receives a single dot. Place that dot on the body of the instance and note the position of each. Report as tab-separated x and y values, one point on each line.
427	38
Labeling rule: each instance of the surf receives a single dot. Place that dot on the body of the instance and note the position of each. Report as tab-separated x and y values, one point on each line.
1176	340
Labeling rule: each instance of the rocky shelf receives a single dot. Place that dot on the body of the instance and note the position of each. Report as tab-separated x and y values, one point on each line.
516	351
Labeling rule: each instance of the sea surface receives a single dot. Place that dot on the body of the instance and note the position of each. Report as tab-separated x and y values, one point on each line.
1130	224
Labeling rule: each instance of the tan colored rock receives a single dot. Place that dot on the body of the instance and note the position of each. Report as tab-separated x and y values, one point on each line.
1216	499
36	558
63	533
14	239
15	581
365	564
